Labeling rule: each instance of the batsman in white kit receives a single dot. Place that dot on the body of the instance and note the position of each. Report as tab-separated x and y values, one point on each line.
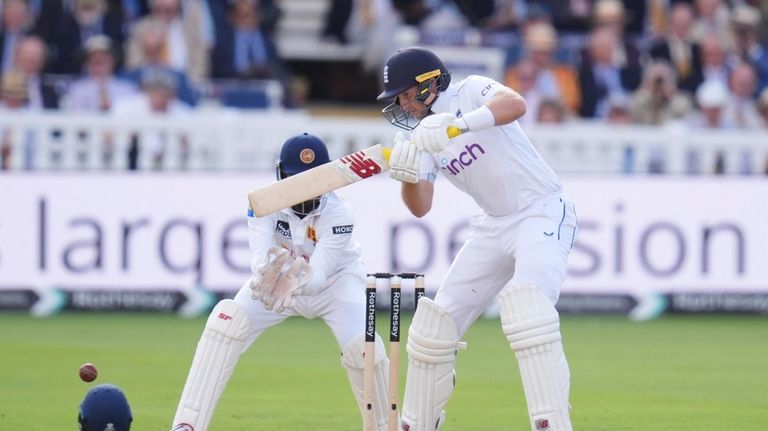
305	262
516	249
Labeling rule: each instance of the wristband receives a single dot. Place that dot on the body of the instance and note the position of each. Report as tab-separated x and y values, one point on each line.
480	119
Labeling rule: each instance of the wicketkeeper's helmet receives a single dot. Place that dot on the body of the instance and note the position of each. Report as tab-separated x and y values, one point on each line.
298	154
105	408
410	67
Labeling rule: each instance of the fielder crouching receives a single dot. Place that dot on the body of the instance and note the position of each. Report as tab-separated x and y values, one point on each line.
305	262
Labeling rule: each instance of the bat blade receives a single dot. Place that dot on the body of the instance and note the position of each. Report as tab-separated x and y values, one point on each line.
319	180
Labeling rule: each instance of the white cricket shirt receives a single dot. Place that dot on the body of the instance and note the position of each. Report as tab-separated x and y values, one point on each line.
498	167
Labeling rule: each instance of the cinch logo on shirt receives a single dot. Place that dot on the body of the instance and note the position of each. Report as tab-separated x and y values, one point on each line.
464	159
338	230
283	228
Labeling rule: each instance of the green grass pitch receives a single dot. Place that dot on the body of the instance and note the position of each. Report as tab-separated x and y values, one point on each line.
676	373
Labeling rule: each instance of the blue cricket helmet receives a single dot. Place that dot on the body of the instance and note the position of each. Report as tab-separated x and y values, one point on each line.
105	408
299	153
410	67
413	66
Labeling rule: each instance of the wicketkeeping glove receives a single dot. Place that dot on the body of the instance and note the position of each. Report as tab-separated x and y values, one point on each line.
289	285
405	160
431	135
267	272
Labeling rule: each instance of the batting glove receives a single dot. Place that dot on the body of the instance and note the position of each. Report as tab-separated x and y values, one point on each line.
431	135
405	160
289	285
267	272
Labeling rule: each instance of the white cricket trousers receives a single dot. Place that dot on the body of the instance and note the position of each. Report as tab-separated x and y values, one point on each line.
529	247
341	305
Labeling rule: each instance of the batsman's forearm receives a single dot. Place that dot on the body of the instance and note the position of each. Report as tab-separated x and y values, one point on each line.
418	197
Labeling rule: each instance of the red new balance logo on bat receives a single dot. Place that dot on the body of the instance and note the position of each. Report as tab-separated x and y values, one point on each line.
361	165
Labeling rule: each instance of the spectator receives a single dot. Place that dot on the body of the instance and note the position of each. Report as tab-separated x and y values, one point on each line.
243	50
369	23
185	47
711	98
13	98
658	99
525	76
99	89
556	81
740	109
552	111
601	75
157	98
746	35
30	60
611	14
619	112
86	19
714	64
150	41
679	49
507	15
712	19
13	28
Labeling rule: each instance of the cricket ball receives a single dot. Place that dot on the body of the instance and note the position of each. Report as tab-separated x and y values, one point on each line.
88	372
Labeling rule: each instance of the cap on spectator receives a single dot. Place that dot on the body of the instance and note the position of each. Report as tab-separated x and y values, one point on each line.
609	11
13	85
745	16
159	78
712	94
540	36
618	101
99	43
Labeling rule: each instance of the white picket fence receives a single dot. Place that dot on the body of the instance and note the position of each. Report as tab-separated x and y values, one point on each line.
231	140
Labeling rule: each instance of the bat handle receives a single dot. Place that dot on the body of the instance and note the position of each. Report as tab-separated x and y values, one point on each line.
453	131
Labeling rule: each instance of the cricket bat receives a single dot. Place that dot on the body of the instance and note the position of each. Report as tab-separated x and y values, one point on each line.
319	180
323	179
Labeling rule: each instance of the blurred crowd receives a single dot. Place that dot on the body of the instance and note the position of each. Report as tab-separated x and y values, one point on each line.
632	61
700	62
93	55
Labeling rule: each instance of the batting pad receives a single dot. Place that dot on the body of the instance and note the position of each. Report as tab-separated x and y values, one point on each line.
532	326
352	359
433	340
217	354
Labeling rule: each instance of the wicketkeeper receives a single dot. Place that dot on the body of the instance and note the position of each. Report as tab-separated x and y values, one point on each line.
516	250
305	262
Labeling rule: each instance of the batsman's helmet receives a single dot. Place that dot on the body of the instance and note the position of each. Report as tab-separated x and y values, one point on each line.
298	154
410	67
105	408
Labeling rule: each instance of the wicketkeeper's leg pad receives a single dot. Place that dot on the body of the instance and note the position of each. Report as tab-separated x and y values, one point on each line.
217	354
532	326
353	360
433	340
